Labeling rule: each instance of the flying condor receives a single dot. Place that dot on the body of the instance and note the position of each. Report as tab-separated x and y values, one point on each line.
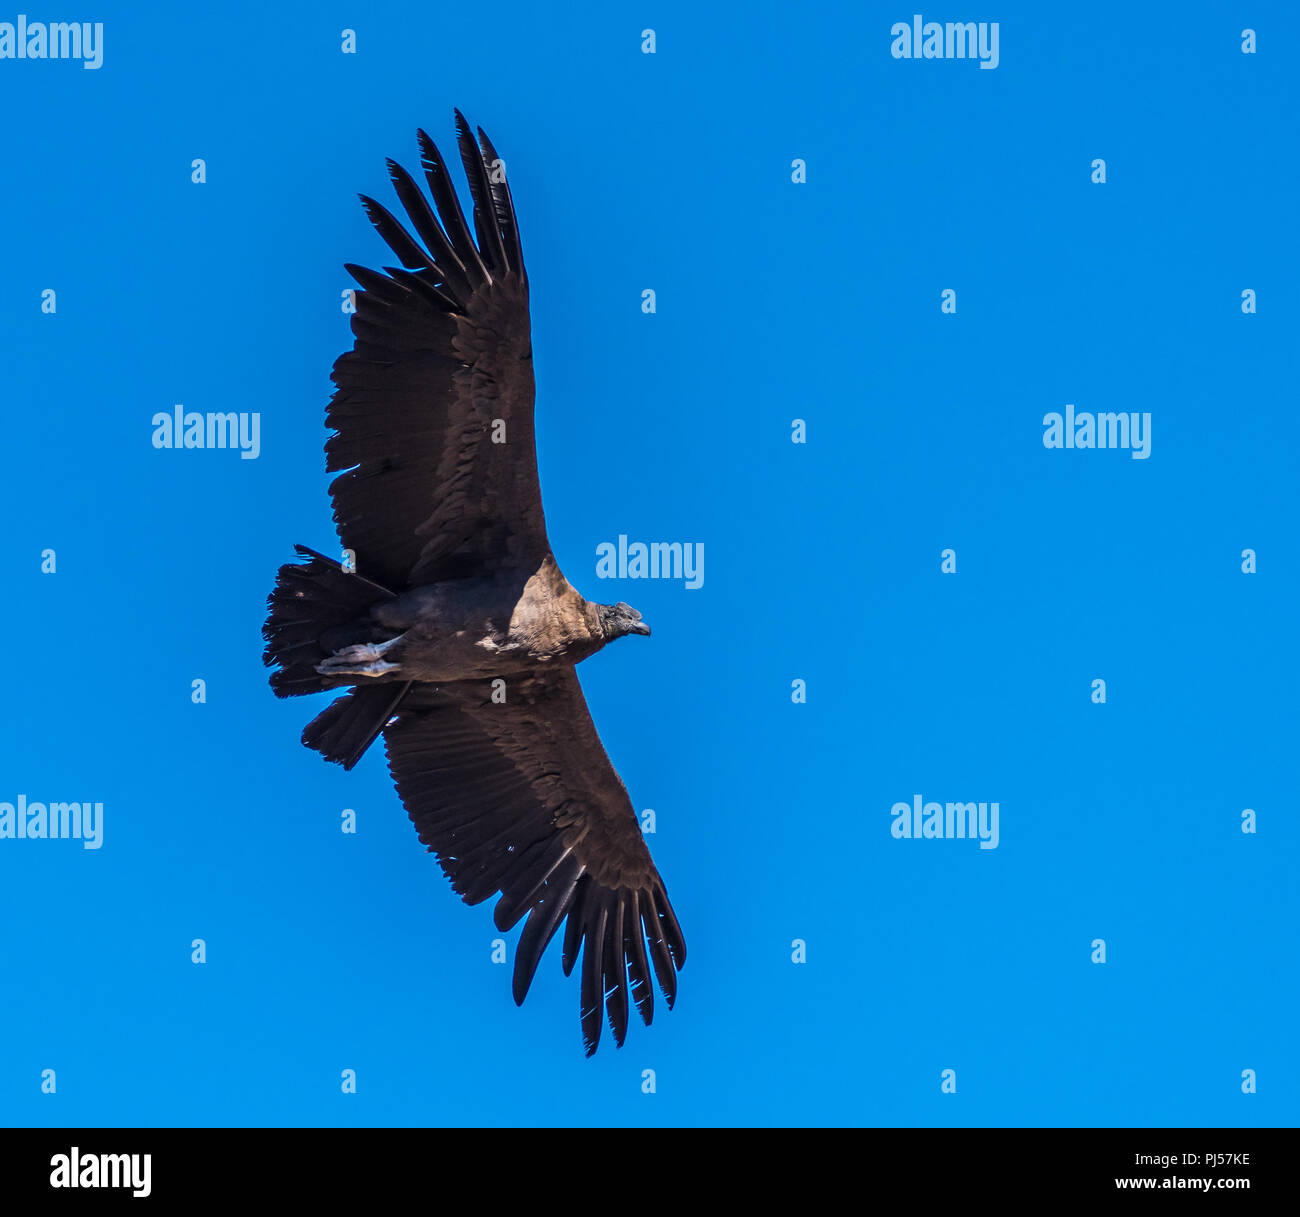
453	589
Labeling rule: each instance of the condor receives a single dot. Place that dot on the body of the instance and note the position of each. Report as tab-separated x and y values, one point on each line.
454	589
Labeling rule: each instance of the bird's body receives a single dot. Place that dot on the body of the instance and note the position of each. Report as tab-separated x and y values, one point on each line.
451	631
501	625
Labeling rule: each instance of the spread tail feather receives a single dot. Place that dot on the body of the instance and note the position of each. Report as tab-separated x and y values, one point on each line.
309	599
312	599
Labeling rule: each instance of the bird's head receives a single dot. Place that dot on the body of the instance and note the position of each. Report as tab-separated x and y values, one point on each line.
619	619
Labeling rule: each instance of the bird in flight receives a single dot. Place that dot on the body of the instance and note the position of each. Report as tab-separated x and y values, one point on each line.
450	626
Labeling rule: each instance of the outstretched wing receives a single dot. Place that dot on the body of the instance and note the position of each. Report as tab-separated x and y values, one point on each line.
520	798
433	410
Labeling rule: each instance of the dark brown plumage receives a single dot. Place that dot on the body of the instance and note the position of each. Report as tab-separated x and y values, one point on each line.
453	629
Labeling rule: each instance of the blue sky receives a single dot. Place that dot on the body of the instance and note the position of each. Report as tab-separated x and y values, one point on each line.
775	301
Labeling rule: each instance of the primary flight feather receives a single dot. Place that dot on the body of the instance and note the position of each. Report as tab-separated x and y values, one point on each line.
454	589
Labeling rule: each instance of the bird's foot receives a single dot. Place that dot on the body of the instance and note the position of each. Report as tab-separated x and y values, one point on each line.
366	659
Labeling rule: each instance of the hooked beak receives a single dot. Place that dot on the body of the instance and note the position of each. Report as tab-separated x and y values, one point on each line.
641	628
